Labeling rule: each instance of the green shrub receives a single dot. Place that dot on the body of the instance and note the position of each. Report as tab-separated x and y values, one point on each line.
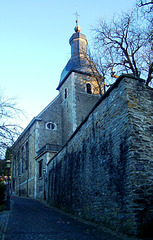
2	192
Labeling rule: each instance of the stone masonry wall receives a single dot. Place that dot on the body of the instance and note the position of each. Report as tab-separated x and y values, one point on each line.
84	101
104	172
140	107
77	104
52	113
23	178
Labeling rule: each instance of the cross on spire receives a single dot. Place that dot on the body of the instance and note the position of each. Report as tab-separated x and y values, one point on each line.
77	15
77	28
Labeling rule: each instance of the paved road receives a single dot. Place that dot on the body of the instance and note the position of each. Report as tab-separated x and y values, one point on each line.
32	220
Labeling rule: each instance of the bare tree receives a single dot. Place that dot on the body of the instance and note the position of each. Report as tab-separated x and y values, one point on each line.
145	12
91	64
124	45
142	3
97	70
9	128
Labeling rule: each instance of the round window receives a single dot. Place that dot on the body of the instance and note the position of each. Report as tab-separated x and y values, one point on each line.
51	126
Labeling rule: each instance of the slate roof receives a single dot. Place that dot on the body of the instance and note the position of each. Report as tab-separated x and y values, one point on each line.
75	64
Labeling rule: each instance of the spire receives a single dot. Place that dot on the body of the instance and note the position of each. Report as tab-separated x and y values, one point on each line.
78	43
77	27
78	40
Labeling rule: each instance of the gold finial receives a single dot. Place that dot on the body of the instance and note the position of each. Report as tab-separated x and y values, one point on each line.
77	28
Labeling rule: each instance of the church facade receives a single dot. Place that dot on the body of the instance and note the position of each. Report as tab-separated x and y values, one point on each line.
47	133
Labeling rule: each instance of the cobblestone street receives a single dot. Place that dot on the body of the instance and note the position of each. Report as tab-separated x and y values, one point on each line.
31	220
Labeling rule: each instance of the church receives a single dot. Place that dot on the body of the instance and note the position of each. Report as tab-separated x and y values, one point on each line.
90	152
48	132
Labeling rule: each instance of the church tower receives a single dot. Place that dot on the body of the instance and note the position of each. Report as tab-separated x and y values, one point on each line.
76	86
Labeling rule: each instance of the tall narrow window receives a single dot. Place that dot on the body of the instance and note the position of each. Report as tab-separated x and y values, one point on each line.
65	93
40	169
88	88
27	156
14	166
22	155
18	163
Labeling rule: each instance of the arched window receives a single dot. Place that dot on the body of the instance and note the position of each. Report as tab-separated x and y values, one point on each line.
88	88
50	126
65	93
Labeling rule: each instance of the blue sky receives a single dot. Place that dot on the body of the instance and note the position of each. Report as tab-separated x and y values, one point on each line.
34	45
